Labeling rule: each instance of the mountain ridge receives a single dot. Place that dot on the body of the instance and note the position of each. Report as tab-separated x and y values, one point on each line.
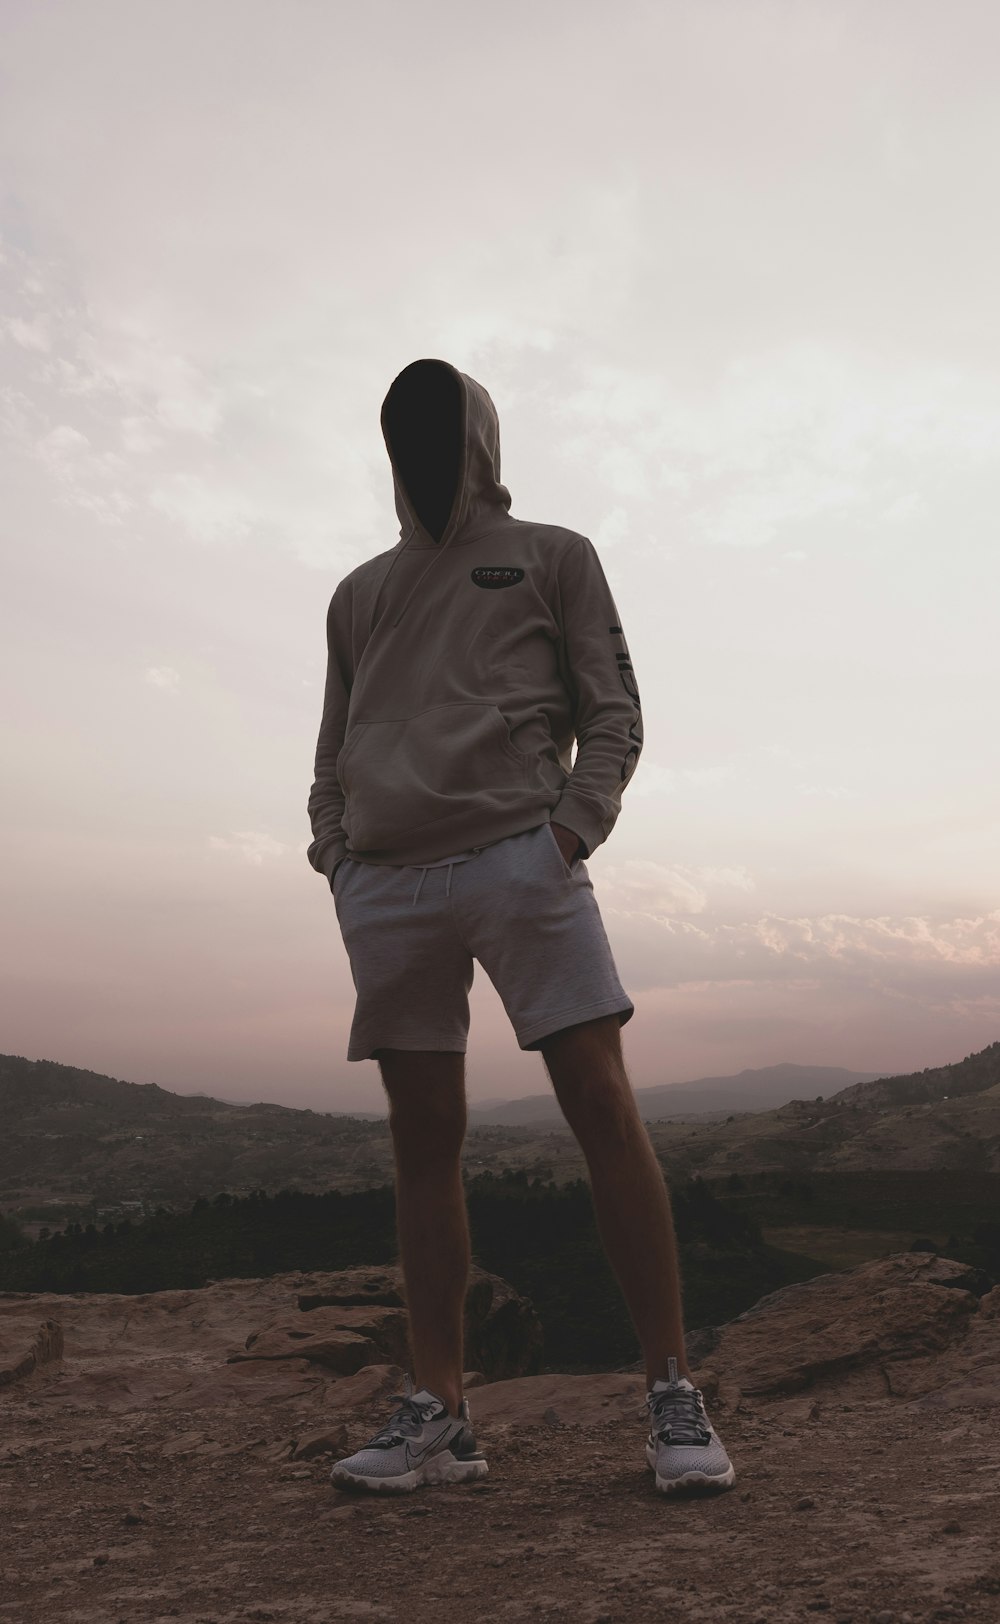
79	1139
753	1089
23	1080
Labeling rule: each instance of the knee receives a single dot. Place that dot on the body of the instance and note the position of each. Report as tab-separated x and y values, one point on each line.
418	1150
601	1110
428	1134
427	1108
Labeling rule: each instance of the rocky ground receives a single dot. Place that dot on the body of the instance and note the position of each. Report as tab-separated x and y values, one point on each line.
153	1467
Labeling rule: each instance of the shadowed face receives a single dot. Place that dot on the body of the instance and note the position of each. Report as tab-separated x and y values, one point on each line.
423	423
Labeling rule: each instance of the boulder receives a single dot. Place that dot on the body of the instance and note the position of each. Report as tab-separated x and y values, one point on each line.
853	1328
380	1287
364	1393
358	1316
503	1334
330	1441
341	1351
912	1327
22	1353
967	1376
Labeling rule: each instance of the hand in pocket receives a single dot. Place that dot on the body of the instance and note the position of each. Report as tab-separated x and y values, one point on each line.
568	843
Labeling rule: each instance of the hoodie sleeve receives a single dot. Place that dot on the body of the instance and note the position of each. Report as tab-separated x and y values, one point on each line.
597	671
326	798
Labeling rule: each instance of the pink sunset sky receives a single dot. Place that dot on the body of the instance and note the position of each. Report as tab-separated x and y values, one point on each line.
729	272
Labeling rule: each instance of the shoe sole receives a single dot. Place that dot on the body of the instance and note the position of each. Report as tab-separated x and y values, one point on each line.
443	1468
691	1480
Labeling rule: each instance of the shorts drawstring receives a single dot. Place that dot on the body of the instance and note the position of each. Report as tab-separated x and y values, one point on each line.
446	862
423	876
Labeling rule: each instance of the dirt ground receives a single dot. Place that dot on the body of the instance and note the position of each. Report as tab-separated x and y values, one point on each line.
857	1511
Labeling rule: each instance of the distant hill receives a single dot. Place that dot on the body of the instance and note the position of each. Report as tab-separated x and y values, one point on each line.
53	1094
74	1141
73	1138
750	1090
976	1074
944	1119
70	1133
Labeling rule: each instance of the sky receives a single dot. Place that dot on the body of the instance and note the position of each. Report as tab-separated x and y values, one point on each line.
728	270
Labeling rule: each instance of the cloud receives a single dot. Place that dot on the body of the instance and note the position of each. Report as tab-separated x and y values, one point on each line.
205	507
914	958
163	677
83	476
785	439
916	939
835	792
129	411
132	360
61	444
252	846
31	335
611	530
662	890
738	879
139	435
653	780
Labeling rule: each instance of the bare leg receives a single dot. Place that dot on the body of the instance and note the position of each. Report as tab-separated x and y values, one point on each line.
631	1204
427	1117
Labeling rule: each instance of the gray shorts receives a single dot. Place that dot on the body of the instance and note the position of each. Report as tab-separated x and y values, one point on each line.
531	921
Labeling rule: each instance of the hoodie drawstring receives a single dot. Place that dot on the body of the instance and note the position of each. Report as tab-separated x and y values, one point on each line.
442	547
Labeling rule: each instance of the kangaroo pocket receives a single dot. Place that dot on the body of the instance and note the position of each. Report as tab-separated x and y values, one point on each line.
452	764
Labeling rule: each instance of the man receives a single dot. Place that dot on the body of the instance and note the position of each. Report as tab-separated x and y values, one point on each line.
453	823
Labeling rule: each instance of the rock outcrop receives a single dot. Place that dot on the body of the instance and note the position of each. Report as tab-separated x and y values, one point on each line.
237	1341
21	1353
880	1328
150	1475
357	1317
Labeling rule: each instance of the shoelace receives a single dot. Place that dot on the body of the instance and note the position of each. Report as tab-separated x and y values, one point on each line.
405	1422
677	1415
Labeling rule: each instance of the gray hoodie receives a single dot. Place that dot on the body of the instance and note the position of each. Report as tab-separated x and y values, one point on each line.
465	660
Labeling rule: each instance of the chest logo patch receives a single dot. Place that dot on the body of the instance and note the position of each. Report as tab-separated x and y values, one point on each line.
494	576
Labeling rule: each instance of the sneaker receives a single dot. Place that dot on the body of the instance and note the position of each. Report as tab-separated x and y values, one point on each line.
683	1448
420	1443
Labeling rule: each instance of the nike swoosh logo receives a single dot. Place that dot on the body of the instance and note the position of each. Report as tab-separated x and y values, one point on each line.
414	1456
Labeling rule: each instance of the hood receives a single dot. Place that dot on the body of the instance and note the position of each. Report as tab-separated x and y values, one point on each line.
442	434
